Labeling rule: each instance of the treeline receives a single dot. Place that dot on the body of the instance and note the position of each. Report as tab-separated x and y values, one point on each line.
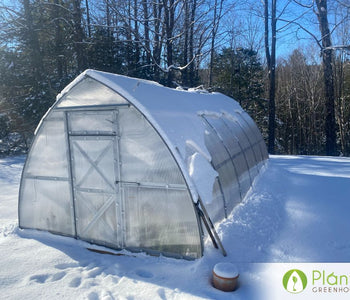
301	105
46	44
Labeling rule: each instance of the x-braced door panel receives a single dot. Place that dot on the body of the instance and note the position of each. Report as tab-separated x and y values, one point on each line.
96	196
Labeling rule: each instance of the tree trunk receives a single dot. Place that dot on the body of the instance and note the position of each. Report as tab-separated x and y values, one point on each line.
78	36
271	64
192	76
185	46
137	36
88	18
157	45
108	20
327	58
58	43
32	41
147	36
169	18
212	45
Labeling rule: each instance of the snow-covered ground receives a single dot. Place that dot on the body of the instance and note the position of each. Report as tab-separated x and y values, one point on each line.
297	211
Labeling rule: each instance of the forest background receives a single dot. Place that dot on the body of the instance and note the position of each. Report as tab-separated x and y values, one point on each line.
285	61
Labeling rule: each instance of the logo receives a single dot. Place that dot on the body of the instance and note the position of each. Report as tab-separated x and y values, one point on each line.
294	281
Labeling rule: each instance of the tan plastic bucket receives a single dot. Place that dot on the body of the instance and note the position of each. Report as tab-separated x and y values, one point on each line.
225	281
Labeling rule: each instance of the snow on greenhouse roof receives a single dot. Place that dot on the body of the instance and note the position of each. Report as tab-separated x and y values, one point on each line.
176	116
174	111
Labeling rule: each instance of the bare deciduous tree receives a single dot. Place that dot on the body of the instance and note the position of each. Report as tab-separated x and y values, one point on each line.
271	66
327	60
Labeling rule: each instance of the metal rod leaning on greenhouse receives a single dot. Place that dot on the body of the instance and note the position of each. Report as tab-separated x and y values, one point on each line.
201	215
211	229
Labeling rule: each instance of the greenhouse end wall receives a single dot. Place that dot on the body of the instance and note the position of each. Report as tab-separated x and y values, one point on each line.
104	175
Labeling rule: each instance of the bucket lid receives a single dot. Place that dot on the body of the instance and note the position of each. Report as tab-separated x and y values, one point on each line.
226	270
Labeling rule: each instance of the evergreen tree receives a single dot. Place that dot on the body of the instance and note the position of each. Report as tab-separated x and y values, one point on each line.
238	73
104	53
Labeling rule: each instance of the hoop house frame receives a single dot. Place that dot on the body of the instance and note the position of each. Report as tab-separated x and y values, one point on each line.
121	162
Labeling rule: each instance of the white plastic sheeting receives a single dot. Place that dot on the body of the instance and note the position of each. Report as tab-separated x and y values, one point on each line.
120	162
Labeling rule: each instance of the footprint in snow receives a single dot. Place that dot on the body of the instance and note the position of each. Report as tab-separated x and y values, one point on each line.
58	276
42	278
144	273
76	282
93	296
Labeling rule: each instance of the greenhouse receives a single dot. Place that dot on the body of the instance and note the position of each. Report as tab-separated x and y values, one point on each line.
130	164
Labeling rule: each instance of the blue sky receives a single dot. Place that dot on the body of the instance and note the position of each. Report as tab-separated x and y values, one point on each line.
289	37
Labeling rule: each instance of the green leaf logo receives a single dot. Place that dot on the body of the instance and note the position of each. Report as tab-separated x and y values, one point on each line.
294	281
